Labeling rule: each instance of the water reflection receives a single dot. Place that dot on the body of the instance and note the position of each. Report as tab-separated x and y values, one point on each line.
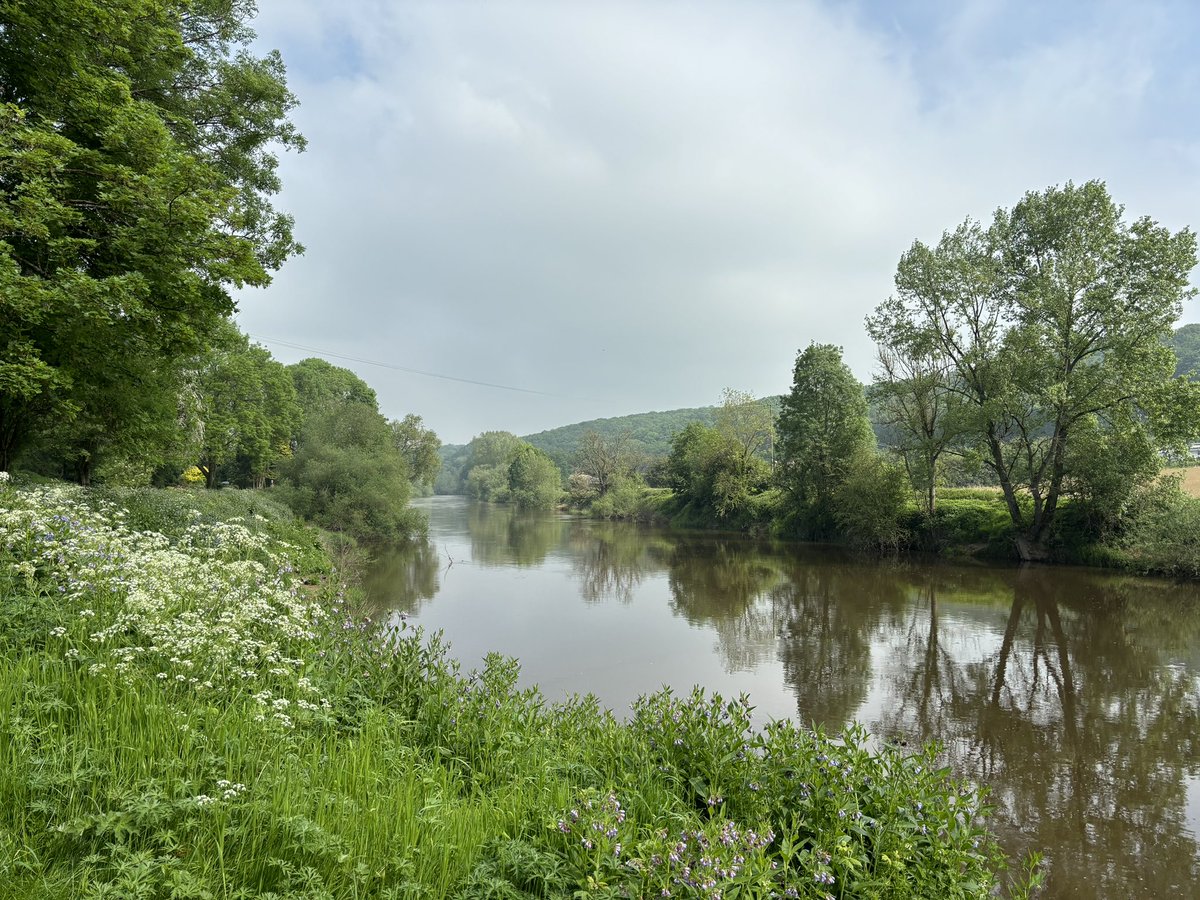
611	559
403	581
1074	694
725	584
1084	734
507	536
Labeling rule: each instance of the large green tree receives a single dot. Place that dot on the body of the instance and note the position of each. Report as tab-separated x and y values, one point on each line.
348	473
246	410
822	429
137	142
1051	323
718	469
534	481
419	447
914	396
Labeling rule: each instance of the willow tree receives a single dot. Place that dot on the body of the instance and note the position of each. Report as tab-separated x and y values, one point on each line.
136	173
1050	325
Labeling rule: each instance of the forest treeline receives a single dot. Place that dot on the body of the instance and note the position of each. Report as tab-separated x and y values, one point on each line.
1032	357
138	166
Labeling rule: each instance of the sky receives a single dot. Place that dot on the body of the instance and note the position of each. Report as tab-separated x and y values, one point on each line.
524	215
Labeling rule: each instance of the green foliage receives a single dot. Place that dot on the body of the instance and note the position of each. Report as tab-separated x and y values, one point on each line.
349	472
1048	323
1158	533
873	504
1185	343
347	476
498	467
605	458
822	429
717	471
649	435
321	386
630	500
963	522
136	153
336	759
419	447
533	479
914	399
246	408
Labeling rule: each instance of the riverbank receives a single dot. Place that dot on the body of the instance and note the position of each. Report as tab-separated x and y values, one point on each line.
1156	532
191	711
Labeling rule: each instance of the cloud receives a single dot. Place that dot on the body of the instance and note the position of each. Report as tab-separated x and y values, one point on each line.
632	206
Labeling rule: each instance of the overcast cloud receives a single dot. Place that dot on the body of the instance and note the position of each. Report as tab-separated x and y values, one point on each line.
628	207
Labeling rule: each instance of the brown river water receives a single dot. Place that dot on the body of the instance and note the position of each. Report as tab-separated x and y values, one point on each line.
1073	693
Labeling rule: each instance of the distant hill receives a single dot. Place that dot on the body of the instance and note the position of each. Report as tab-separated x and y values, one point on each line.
1186	344
651	434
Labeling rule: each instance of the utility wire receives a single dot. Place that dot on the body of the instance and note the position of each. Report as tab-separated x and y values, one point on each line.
383	365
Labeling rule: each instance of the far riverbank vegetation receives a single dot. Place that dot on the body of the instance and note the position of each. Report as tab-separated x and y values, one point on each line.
1028	402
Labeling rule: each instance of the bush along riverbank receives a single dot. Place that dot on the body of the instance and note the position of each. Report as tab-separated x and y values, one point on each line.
187	710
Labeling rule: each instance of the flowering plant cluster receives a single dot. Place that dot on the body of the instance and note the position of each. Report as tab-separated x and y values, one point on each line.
711	860
219	606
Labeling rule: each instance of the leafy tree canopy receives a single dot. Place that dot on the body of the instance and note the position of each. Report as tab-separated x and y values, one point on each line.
136	171
1050	323
822	429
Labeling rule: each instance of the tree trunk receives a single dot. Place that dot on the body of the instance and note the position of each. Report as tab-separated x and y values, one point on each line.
1006	485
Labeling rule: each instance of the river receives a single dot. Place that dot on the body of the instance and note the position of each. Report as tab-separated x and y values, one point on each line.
1073	693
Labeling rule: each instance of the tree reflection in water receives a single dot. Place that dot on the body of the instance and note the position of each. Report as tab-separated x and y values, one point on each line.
1071	713
1074	695
402	579
610	559
506	536
725	584
829	615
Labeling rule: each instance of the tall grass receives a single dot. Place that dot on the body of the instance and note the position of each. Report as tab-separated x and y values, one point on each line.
188	710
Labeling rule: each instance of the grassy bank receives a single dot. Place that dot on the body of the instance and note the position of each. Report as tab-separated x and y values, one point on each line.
188	710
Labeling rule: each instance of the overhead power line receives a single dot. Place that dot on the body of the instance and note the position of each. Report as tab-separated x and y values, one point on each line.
393	366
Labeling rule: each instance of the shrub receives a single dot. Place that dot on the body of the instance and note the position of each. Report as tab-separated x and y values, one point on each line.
1160	532
872	504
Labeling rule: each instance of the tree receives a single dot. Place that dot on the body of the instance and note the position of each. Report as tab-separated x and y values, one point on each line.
1051	324
247	409
748	426
914	395
136	170
717	469
485	472
605	458
127	425
822	428
534	481
347	476
419	447
322	386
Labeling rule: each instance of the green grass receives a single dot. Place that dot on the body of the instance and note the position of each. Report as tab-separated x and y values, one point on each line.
192	712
